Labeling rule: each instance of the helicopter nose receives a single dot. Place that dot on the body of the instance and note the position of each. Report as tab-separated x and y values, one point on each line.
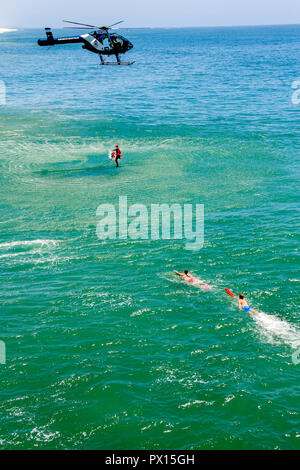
129	46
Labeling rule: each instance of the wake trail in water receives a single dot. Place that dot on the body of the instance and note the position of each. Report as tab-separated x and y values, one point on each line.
277	331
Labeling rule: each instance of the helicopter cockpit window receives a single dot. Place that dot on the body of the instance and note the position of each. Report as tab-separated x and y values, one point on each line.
117	41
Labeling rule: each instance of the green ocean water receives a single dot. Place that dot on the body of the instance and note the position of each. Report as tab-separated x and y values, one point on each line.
105	347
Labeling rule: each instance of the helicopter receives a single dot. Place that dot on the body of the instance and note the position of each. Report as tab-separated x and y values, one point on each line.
100	41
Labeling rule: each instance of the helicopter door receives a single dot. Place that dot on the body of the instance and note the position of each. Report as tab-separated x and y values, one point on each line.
93	42
106	44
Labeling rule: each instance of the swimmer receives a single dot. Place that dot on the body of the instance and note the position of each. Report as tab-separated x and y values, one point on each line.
186	275
243	304
189	278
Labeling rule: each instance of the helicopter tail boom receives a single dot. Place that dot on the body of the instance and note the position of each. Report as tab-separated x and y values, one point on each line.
51	41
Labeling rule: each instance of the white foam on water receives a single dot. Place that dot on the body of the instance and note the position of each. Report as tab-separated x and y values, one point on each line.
7	30
27	250
277	331
28	242
200	284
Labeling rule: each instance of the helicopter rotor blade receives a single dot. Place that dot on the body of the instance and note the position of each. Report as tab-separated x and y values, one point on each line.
74	27
105	28
110	26
81	24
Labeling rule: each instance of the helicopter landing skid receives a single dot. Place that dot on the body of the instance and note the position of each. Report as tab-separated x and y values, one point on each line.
102	62
116	63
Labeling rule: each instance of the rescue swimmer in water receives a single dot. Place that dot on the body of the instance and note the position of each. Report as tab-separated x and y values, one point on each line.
242	303
116	155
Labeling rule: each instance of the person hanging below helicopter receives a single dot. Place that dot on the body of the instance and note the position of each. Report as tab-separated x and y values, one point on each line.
117	44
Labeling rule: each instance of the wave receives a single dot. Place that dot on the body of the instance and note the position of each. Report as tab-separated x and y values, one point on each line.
38	251
7	30
27	242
